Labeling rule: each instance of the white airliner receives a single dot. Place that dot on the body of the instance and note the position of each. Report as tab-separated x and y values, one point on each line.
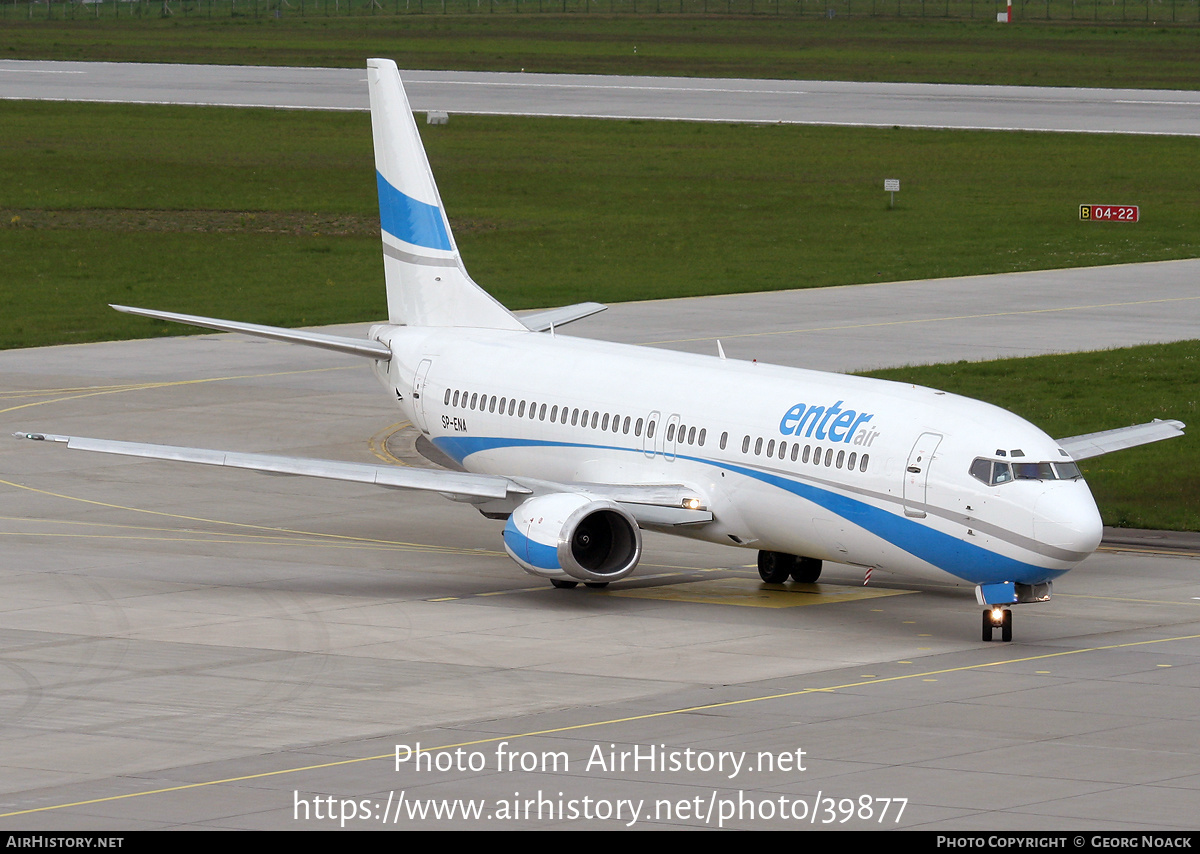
580	444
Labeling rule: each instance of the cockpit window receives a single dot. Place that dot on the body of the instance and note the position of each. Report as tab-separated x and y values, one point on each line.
994	472
1067	471
1033	471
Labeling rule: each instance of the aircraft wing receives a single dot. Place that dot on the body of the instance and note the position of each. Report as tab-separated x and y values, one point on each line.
1094	444
463	485
662	505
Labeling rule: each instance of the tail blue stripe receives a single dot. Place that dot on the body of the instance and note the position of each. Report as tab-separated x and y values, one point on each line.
412	221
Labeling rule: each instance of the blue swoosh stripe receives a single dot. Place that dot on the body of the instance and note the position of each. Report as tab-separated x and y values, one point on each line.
412	221
939	549
929	544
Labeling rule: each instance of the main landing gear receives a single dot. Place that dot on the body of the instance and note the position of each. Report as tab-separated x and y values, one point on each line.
777	567
997	618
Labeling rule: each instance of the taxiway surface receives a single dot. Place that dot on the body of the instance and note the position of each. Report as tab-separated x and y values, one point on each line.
189	647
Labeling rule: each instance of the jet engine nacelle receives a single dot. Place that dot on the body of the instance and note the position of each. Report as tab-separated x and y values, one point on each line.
571	536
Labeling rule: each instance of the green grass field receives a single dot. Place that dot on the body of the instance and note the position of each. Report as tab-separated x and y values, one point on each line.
271	216
1155	486
1084	52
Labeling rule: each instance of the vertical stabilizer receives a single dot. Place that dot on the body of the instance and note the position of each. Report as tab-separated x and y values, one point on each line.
427	284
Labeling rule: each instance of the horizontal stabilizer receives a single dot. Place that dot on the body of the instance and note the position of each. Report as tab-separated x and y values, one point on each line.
542	320
1094	444
462	485
353	346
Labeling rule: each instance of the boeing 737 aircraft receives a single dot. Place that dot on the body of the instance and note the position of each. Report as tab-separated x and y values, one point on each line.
581	444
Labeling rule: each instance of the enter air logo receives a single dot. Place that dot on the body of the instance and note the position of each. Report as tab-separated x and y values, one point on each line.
828	423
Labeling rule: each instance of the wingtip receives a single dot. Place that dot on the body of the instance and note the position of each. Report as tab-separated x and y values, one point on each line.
41	437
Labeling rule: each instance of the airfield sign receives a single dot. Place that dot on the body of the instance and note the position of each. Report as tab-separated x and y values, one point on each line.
1109	213
891	185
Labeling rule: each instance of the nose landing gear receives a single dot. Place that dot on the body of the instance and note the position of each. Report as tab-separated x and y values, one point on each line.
997	618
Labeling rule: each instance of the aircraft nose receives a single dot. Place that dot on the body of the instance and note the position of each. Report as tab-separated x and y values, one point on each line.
1066	516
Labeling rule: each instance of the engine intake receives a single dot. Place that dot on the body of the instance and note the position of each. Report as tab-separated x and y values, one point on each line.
567	535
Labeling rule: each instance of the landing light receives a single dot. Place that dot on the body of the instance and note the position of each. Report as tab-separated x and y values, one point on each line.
691	503
997	616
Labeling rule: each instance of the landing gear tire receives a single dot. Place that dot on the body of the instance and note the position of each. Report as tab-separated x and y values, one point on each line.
562	584
806	571
775	567
595	585
1004	625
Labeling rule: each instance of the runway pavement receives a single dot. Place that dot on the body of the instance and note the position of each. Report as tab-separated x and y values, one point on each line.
691	99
